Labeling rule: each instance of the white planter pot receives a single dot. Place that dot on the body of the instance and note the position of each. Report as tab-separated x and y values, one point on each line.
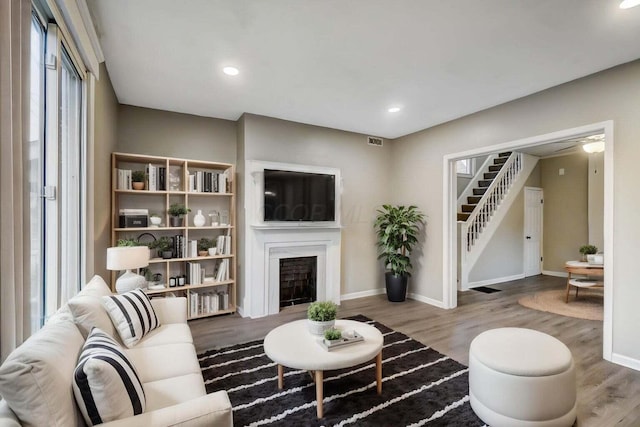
318	328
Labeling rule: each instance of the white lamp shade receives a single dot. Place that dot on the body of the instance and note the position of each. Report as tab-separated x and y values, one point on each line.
127	257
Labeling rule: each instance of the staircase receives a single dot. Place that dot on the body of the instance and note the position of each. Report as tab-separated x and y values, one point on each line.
487	178
488	198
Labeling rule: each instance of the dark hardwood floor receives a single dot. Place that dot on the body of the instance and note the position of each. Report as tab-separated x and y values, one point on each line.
608	394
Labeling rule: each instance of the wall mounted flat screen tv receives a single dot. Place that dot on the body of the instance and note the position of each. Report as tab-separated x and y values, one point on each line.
299	196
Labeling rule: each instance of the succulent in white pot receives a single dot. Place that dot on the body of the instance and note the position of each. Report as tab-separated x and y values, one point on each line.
321	315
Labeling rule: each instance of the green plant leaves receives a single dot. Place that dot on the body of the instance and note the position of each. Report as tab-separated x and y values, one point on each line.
397	229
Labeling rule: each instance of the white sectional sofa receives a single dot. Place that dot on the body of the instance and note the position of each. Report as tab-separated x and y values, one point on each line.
36	379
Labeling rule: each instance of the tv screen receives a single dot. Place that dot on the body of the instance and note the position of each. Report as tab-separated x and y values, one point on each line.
298	196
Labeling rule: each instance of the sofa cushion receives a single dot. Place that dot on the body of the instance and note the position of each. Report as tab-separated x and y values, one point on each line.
172	333
89	312
96	287
174	360
105	383
171	391
36	378
132	314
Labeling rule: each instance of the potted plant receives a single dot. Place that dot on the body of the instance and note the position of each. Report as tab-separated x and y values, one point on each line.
332	335
177	212
127	242
203	246
321	315
397	230
164	246
587	250
137	180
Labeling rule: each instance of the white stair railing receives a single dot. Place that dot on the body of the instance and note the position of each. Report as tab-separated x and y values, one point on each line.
490	201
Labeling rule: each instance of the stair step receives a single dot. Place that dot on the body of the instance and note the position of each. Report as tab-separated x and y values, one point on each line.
485	182
463	216
473	200
490	175
468	208
500	160
505	154
479	191
495	168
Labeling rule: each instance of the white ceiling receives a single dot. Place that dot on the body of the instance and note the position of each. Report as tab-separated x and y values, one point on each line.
342	63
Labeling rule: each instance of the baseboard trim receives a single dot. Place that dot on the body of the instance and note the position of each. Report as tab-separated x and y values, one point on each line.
626	361
240	311
554	273
496	280
426	300
362	294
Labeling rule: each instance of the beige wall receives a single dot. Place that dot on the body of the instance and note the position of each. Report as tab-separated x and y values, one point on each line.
504	255
610	95
105	140
163	133
596	200
565	209
365	175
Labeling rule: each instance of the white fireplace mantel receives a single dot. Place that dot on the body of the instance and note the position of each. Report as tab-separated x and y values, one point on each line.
267	243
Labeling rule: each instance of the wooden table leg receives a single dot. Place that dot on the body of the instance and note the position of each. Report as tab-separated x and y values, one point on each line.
319	393
280	377
566	297
379	372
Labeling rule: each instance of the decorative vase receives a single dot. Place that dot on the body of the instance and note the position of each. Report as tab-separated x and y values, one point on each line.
155	221
213	251
318	328
198	219
138	185
176	221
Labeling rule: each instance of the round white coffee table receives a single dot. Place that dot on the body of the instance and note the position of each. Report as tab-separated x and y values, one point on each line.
293	346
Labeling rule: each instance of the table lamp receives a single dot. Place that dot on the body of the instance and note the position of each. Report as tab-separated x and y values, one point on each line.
127	258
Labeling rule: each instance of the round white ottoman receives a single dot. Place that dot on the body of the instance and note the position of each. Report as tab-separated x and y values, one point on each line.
521	377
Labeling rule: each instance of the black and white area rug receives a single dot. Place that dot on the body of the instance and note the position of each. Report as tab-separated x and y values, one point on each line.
420	387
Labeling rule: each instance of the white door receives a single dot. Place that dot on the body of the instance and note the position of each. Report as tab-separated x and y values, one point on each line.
533	204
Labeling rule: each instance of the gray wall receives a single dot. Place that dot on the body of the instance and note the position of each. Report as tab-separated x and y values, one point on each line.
596	200
610	95
105	141
163	133
565	209
365	175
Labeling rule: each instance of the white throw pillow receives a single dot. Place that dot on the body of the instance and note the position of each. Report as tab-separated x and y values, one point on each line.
36	378
105	383
89	312
132	314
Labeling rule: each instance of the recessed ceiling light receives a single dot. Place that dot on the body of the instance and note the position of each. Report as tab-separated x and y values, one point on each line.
231	71
627	4
393	109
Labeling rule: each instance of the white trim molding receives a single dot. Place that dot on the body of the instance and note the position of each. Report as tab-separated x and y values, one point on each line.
362	294
555	273
426	300
627	361
496	280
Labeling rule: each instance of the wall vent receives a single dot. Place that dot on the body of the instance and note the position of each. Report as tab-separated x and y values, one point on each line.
372	140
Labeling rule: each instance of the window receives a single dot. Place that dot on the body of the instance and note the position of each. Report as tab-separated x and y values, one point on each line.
466	167
35	155
56	171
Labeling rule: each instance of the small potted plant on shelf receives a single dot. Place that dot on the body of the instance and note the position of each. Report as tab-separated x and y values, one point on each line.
587	250
164	246
397	231
321	316
332	335
203	246
137	180
129	241
177	212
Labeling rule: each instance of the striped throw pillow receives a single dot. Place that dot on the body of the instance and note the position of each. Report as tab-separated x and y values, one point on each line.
132	314
105	383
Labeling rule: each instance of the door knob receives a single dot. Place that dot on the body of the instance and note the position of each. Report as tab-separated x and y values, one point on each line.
528	237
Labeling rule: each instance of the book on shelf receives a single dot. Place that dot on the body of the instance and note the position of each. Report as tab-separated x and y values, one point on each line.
202	303
193	248
223	243
124	179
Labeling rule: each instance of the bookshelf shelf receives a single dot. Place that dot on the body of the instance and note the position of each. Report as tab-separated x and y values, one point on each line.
173	180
